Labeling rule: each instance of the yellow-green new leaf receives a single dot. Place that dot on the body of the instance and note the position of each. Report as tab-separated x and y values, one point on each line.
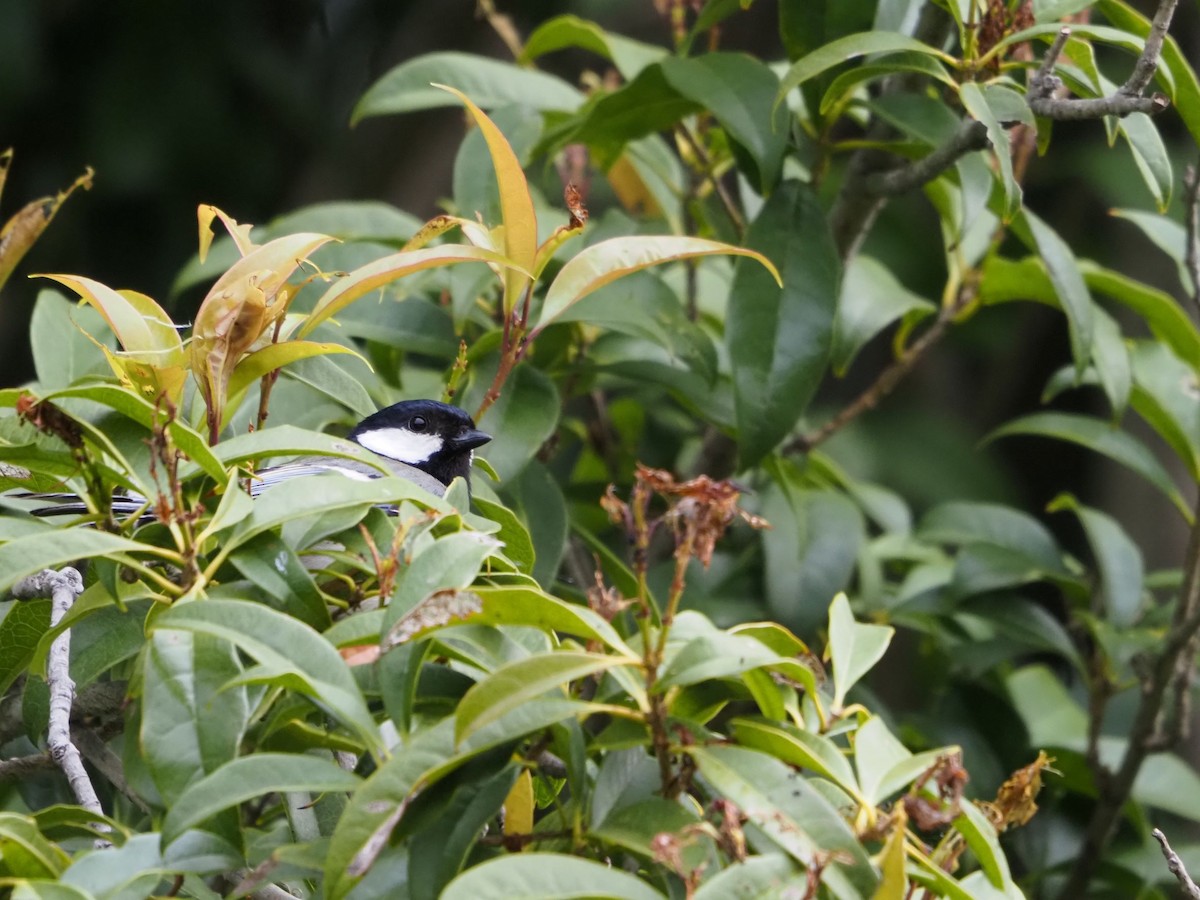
605	262
367	278
516	205
240	233
274	356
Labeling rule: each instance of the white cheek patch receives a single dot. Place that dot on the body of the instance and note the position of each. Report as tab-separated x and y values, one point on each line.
401	444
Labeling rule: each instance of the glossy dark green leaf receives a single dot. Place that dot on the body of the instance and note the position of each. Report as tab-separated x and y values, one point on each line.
759	876
1117	557
1167	395
24	623
521	681
252	776
561	32
295	655
547	876
488	82
851	47
790	811
811	552
1102	438
51	549
521	421
779	337
871	299
1069	284
440	850
739	91
271	564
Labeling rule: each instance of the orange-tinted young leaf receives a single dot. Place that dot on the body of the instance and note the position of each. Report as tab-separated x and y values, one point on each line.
20	232
240	233
152	359
609	260
375	274
516	205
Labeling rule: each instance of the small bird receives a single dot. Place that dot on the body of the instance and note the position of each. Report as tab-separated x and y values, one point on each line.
424	441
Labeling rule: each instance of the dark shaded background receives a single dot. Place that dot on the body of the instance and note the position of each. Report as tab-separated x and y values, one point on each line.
246	105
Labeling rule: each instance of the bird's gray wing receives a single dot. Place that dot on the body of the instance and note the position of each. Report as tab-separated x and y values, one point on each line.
273	475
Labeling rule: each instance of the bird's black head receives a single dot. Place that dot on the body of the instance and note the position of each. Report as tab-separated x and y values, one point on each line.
434	437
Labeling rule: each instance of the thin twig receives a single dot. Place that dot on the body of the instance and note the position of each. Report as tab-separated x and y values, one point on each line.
1126	99
970	136
1175	867
731	210
62	587
24	766
887	381
1148	722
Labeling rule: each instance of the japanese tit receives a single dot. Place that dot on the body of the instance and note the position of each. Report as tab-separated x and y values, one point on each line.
424	441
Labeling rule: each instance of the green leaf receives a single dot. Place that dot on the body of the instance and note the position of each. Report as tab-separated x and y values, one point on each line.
546	876
489	82
51	549
1167	395
1167	321
20	631
381	800
803	749
1117	557
383	271
449	563
532	607
324	493
976	102
854	648
604	262
521	681
518	546
1150	155
1165	233
715	654
810	552
790	811
842	88
961	523
561	32
1175	74
851	47
871	299
297	655
755	878
252	776
1103	438
636	826
191	724
1068	283
273	566
27	853
522	420
137	409
981	837
739	91
275	356
779	335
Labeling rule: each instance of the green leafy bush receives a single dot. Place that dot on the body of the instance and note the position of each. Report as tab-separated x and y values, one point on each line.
595	678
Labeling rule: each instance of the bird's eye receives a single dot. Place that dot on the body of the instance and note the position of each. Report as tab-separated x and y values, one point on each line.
417	423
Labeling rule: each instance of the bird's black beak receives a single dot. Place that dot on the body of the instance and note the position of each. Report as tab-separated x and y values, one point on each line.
470	438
